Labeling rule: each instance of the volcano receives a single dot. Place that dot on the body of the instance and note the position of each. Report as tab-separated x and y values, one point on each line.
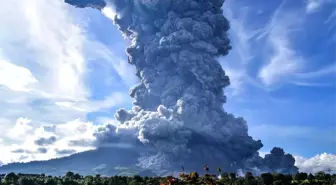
178	116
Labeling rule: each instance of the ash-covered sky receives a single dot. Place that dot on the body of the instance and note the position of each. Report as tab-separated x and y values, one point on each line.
64	72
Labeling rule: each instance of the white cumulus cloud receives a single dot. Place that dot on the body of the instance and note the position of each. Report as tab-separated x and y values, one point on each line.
321	162
23	134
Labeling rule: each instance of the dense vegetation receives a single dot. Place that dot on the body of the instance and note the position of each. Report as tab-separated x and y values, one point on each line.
193	178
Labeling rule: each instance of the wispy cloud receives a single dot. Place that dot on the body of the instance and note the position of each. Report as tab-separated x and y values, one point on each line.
93	106
283	60
264	54
331	26
242	33
267	55
45	38
331	17
43	78
16	78
123	69
329	70
313	6
313	84
41	60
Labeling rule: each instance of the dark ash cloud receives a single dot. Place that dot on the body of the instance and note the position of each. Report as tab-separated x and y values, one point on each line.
65	151
81	143
45	141
23	157
48	128
178	114
42	150
276	161
18	151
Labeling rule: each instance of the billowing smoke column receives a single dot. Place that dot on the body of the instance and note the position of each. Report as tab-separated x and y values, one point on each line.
178	116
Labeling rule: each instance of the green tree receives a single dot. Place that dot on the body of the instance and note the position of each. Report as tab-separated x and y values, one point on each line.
303	176
310	177
267	178
69	181
305	182
277	182
239	181
320	175
70	174
77	176
299	177
278	177
248	176
233	176
50	181
25	181
288	179
11	178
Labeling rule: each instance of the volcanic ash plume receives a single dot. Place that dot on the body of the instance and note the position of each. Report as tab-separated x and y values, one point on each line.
178	116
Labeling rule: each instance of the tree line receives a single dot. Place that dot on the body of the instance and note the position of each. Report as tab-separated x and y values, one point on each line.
193	178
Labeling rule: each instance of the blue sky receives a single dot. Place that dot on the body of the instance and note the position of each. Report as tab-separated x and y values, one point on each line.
67	67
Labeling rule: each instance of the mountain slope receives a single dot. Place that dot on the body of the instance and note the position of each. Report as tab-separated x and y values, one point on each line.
104	161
